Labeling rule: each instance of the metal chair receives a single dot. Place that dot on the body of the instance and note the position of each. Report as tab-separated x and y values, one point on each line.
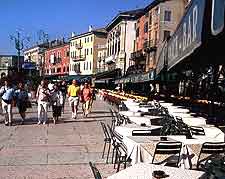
210	149
122	156
115	144
196	130
153	132
169	150
95	171
107	140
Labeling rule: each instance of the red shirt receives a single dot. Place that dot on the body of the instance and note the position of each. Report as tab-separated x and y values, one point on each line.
86	93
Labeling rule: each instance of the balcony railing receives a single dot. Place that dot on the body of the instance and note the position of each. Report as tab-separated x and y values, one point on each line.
137	55
150	46
79	46
79	58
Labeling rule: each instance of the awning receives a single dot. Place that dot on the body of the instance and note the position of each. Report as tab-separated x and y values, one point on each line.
217	22
188	35
79	78
137	78
105	80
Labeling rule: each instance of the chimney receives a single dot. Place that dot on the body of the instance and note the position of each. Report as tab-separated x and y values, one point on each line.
90	28
72	34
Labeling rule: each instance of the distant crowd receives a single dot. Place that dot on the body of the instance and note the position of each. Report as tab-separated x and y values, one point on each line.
48	95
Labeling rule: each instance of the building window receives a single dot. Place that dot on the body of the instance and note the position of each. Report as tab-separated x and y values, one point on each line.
87	39
87	51
137	32
146	27
118	46
58	70
90	65
146	14
166	34
84	66
157	11
68	53
167	16
91	38
91	51
68	68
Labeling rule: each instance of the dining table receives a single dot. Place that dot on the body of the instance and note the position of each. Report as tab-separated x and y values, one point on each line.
146	171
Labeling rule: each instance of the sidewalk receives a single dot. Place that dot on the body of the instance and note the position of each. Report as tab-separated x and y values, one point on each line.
51	151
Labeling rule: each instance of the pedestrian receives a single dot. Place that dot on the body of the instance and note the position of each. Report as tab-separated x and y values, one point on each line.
50	86
73	97
7	93
63	89
86	95
57	102
93	92
43	98
22	101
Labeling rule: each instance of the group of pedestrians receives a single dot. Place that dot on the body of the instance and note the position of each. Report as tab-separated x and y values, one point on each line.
47	95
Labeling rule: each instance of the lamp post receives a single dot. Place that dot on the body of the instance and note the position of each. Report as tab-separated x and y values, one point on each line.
19	45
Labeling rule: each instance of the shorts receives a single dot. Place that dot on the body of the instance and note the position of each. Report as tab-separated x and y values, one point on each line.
73	100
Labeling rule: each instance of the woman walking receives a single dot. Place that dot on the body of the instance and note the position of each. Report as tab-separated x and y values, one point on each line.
7	93
43	97
57	102
63	89
86	95
21	101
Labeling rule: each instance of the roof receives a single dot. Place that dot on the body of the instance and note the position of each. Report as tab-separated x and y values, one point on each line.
129	15
154	3
99	31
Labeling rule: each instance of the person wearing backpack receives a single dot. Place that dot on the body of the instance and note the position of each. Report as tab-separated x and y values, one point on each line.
7	94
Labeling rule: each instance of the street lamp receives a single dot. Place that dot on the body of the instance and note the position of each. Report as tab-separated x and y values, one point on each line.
19	45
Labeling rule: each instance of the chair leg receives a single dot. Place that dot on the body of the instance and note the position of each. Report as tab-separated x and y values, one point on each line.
108	153
116	158
113	154
103	150
125	162
118	166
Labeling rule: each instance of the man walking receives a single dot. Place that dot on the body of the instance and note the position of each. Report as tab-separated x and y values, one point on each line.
7	93
73	97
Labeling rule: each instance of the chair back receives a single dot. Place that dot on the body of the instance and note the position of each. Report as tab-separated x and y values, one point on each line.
146	132
196	130
95	171
210	149
106	133
168	149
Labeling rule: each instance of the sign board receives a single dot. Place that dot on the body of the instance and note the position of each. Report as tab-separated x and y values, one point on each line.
188	35
217	22
29	66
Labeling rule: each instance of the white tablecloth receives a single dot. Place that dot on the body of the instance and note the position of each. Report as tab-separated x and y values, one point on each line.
141	148
145	119
144	171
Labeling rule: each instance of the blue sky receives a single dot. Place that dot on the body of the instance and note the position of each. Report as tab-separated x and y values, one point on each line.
56	17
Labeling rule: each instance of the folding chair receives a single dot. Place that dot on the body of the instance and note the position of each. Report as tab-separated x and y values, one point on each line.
95	171
122	156
196	130
210	149
169	150
107	140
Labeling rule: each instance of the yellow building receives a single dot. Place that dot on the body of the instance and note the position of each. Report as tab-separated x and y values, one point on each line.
84	51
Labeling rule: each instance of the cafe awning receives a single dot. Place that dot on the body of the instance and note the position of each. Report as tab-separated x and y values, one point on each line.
199	32
137	78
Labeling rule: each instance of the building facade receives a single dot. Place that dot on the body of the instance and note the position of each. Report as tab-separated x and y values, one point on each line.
9	64
155	26
57	58
120	40
35	55
84	51
102	51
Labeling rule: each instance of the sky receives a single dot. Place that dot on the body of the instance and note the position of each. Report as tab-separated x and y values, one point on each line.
58	18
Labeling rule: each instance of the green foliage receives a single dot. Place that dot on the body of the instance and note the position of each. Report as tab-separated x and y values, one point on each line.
215	167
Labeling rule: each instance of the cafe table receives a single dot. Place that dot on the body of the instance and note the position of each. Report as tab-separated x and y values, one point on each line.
144	119
145	171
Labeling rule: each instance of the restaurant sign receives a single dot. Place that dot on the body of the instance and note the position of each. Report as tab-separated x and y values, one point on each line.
188	35
217	22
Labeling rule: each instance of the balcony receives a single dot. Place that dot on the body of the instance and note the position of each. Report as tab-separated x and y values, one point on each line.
137	55
79	46
149	46
79	58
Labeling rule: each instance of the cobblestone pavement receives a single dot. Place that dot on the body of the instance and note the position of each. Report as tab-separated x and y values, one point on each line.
60	151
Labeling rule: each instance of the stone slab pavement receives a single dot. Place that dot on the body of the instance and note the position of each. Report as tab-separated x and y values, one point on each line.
60	151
